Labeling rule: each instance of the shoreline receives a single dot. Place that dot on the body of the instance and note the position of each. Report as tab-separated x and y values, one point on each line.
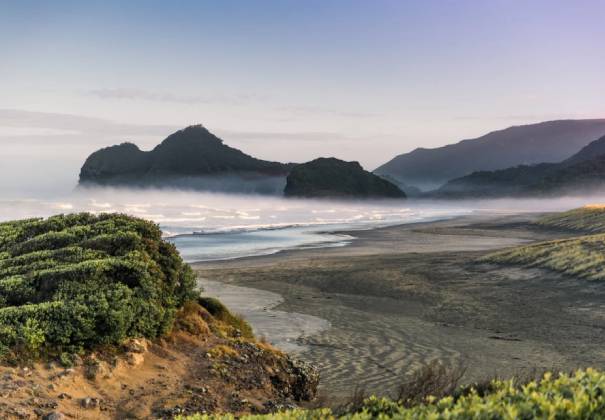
402	296
335	235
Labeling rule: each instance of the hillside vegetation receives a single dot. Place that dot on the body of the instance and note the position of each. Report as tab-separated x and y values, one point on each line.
79	280
577	396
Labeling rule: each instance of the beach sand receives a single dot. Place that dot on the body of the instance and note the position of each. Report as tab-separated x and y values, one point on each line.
400	297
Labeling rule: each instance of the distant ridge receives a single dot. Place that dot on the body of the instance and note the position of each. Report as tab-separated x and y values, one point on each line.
550	141
182	159
582	172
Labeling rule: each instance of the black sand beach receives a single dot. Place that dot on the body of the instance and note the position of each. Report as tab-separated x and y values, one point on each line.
400	297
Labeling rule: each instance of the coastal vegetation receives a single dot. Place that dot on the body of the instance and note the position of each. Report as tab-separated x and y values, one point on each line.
554	396
79	280
580	256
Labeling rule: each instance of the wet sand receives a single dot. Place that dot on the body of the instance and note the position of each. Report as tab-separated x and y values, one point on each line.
400	297
285	330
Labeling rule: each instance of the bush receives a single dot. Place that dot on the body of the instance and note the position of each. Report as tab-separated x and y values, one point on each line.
75	281
577	396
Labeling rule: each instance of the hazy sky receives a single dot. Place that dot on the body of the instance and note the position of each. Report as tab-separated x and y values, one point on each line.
289	80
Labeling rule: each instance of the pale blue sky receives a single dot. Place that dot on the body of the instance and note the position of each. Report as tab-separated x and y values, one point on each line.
292	80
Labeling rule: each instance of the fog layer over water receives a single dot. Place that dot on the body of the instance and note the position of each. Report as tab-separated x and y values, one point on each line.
208	226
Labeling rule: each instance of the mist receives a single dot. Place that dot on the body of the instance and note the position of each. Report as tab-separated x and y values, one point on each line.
190	211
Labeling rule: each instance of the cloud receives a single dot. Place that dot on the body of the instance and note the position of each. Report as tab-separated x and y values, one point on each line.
312	110
43	127
526	117
272	136
166	97
139	94
135	94
20	123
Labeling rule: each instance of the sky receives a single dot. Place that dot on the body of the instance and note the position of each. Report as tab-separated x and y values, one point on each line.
287	80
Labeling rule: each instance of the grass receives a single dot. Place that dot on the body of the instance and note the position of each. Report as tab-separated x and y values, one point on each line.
587	219
221	313
582	257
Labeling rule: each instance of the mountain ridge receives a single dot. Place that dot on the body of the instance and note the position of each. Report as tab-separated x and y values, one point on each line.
548	141
582	171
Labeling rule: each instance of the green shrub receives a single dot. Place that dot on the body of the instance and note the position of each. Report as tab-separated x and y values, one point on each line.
75	281
33	335
577	396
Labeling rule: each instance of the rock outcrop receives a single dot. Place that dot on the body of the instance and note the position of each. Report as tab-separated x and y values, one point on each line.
192	158
334	178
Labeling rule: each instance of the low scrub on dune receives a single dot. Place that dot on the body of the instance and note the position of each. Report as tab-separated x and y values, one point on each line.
582	256
588	219
74	281
577	396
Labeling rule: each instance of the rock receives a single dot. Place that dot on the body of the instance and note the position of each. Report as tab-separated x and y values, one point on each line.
334	178
182	157
89	402
55	415
306	380
136	345
21	413
135	359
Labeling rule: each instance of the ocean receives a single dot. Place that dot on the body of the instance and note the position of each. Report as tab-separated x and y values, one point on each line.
210	226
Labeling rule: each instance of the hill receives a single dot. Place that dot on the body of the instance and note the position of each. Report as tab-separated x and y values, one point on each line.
581	173
550	141
334	178
190	158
